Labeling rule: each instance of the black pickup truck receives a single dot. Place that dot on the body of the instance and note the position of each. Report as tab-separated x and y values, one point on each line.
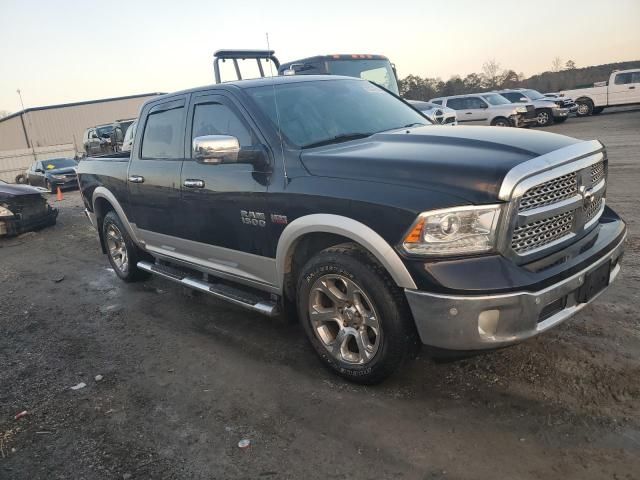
333	198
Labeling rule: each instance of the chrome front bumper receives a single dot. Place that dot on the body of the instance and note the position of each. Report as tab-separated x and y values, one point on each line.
493	321
560	112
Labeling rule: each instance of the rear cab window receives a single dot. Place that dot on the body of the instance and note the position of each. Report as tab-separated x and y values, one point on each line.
163	136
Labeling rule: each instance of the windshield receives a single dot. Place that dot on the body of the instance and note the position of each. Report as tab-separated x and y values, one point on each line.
58	163
376	71
496	99
329	111
533	94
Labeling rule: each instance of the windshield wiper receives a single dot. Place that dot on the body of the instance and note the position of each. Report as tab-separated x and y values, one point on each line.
345	137
414	124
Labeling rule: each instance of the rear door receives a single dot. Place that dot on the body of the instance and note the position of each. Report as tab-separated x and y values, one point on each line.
469	110
153	179
625	88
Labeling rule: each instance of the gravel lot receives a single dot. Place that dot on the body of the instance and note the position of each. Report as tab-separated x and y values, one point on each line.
186	377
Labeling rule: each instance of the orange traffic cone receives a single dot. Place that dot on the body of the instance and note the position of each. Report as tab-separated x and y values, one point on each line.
59	195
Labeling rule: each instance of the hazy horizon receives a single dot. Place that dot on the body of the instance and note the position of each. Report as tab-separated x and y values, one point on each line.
68	51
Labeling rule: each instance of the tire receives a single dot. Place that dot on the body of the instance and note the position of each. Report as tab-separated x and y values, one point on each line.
544	117
372	325
49	187
560	120
585	107
501	122
21	179
122	253
597	110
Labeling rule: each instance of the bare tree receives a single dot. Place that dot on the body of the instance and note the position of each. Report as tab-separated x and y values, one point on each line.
491	73
570	65
556	65
4	113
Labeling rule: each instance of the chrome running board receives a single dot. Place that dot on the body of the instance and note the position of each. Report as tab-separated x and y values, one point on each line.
235	295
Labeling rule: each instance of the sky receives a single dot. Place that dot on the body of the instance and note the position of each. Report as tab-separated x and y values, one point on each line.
59	51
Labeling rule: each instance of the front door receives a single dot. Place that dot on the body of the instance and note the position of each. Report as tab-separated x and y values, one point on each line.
469	110
153	178
224	215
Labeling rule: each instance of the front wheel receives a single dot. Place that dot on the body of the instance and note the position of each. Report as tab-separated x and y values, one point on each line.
122	253
355	317
544	118
501	122
585	108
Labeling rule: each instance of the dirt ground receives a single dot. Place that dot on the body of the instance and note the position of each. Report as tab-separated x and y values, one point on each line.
185	377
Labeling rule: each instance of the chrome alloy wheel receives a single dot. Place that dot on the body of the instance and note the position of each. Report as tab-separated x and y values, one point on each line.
543	118
344	319
117	248
583	108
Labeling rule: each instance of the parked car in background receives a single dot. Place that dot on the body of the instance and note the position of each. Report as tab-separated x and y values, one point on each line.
97	140
547	110
488	109
127	142
347	206
22	209
561	101
438	114
53	173
623	88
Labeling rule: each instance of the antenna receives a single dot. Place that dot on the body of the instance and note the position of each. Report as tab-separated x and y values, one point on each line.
275	101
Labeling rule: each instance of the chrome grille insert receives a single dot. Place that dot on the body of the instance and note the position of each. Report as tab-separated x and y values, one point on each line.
597	173
542	232
550	192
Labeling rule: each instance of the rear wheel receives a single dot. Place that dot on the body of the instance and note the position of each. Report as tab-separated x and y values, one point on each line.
355	317
122	253
544	118
501	122
585	107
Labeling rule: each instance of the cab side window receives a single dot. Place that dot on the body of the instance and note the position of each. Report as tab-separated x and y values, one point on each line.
457	103
163	135
475	103
623	78
219	119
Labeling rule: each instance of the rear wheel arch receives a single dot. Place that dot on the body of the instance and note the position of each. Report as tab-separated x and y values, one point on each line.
103	201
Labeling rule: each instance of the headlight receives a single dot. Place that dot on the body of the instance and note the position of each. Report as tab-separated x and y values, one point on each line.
58	177
453	231
521	109
5	212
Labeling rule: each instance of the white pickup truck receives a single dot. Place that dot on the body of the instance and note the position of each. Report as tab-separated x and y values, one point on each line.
623	88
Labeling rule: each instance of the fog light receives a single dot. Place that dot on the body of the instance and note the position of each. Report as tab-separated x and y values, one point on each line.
488	322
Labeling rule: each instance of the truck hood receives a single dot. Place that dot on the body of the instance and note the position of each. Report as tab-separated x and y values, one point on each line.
468	162
62	170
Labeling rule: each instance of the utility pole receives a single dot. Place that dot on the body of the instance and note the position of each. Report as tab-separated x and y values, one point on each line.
24	127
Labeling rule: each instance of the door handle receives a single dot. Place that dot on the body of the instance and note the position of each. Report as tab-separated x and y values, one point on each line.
468	113
193	183
632	87
136	178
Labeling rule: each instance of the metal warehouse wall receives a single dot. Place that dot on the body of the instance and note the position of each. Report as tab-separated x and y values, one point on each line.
65	124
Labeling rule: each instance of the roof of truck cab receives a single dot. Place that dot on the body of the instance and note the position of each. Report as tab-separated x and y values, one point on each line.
259	82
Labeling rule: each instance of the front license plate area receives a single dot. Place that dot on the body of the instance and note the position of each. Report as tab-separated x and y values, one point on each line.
594	283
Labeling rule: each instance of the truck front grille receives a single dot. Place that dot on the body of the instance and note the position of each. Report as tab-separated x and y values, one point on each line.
550	220
539	233
550	192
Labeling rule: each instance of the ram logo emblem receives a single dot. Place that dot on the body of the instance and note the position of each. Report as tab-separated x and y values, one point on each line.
256	219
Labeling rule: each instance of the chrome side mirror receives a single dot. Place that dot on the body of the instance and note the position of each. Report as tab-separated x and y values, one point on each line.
216	149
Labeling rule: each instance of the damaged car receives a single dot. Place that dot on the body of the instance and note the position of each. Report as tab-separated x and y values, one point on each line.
23	209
